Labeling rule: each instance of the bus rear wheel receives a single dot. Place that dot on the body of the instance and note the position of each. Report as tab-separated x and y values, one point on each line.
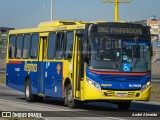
124	105
69	100
29	97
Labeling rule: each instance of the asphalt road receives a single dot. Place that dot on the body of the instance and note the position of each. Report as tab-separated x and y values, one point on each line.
12	100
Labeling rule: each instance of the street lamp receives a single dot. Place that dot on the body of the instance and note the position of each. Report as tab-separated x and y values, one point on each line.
52	10
116	7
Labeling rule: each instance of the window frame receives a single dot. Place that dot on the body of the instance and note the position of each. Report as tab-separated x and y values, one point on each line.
63	49
16	46
66	58
29	46
54	45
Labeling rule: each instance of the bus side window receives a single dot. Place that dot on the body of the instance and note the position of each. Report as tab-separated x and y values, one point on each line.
60	45
34	46
51	46
69	45
26	46
12	44
19	46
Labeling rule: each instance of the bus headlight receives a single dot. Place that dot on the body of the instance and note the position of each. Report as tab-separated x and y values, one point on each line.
94	84
145	86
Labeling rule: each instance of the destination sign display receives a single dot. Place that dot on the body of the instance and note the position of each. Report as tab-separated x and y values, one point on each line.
119	30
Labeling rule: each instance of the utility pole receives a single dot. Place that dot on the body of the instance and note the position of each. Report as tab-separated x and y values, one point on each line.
52	10
116	11
116	7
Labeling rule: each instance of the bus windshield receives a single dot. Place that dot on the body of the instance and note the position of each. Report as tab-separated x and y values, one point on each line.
136	55
114	54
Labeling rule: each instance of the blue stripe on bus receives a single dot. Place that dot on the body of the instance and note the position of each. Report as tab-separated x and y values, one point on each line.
49	72
119	82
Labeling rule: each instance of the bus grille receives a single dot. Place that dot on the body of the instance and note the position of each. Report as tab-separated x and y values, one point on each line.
131	94
109	93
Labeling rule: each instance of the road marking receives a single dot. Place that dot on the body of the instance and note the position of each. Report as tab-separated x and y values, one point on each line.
59	109
35	105
115	118
140	109
102	116
12	92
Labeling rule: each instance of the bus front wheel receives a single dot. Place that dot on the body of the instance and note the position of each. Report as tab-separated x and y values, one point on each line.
69	100
124	105
28	94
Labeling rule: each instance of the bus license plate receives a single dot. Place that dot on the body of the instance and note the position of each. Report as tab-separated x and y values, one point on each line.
121	94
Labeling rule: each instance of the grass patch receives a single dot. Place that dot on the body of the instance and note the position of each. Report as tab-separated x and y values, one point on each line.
155	92
2	78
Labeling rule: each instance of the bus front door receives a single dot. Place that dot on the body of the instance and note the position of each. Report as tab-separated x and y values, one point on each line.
77	67
41	65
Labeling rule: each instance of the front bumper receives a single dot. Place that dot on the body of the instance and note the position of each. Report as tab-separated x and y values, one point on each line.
91	93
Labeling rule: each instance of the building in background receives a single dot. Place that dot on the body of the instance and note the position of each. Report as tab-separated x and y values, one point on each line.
155	32
3	40
155	35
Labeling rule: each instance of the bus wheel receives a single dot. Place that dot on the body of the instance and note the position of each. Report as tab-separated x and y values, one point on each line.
28	95
124	105
69	96
65	97
39	99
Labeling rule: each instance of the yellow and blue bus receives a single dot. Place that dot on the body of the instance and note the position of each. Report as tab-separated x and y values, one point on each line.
81	62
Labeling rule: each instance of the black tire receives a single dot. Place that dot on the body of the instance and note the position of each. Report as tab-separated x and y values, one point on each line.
79	103
39	99
65	97
28	94
69	97
124	105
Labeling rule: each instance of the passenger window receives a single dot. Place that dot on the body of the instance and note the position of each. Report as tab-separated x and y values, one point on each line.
60	45
34	46
69	44
19	43
26	46
51	46
12	45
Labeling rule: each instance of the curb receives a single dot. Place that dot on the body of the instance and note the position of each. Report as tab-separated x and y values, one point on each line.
148	102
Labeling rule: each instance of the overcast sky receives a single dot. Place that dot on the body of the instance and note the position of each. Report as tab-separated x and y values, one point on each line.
29	13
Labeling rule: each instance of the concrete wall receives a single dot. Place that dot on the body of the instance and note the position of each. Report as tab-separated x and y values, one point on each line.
2	64
156	67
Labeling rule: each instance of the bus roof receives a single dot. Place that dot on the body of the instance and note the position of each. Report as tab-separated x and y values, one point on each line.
52	26
58	25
